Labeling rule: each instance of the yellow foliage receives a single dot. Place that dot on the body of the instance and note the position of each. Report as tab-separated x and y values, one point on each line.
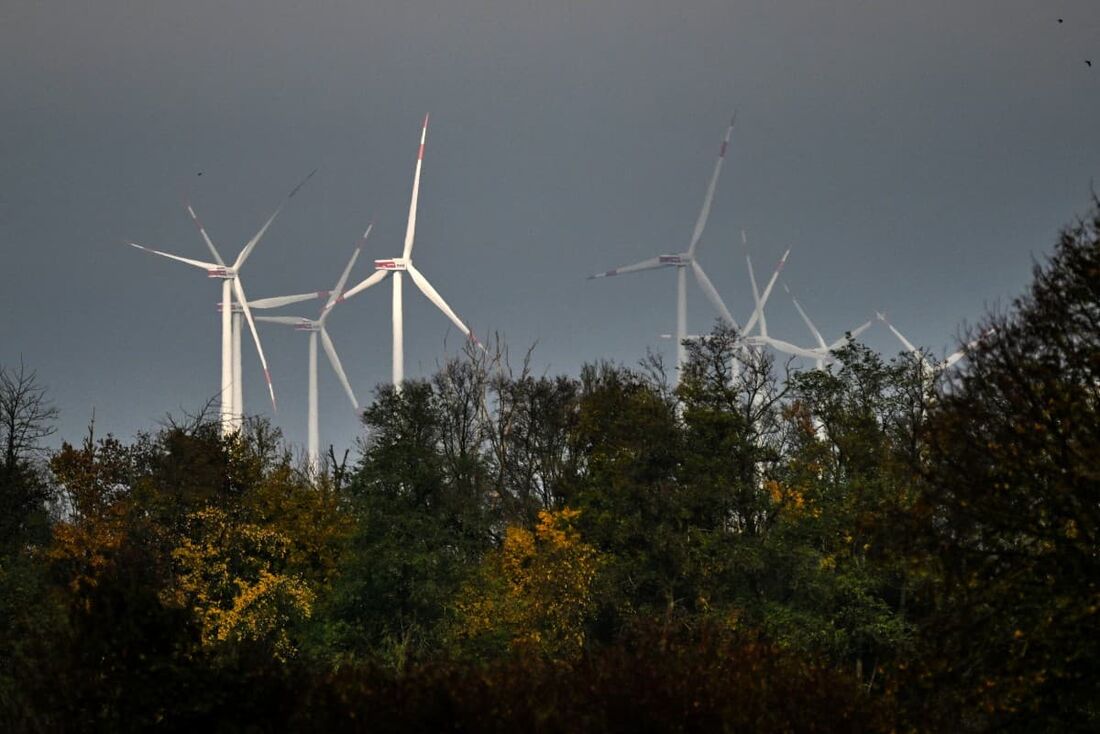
84	547
229	574
536	588
791	500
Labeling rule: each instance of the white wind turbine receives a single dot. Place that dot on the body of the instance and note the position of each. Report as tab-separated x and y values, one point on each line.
231	287
823	351
683	260
316	327
238	312
399	265
756	320
928	368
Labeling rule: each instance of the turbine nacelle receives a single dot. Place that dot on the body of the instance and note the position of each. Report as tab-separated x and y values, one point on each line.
682	259
221	272
393	263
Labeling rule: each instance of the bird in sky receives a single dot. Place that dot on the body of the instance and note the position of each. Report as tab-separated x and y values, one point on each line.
1088	62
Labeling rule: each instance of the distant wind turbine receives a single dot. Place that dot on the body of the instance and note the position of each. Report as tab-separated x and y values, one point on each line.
683	260
399	265
316	327
256	305
231	286
931	369
822	353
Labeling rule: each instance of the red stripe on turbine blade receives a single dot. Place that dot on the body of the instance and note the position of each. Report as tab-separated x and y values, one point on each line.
267	376
722	152
420	155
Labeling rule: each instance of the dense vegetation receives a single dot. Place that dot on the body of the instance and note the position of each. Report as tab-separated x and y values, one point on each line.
866	548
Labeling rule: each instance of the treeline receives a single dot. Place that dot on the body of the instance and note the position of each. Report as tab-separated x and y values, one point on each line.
871	547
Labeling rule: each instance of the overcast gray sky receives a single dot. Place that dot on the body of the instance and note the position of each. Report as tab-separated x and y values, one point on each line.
915	155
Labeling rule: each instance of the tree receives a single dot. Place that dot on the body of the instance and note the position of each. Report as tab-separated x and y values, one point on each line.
1012	507
26	418
534	593
836	556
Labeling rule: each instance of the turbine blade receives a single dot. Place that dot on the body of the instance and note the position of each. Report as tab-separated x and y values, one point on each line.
433	296
951	360
375	278
239	290
810	325
775	277
652	263
712	294
854	333
205	236
758	308
335	292
189	261
288	320
247	250
701	222
784	347
277	301
301	184
905	342
410	227
330	350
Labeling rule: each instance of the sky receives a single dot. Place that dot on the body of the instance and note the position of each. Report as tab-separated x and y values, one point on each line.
917	158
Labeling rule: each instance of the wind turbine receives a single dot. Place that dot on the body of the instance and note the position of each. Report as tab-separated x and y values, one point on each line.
238	312
928	368
231	286
316	327
822	352
684	260
756	320
400	265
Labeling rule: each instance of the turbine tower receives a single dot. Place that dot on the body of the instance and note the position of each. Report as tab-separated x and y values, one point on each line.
404	264
684	260
231	287
238	312
316	327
